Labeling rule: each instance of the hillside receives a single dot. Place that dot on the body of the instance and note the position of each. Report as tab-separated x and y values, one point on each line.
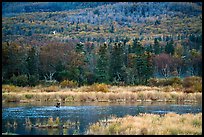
145	20
11	9
126	42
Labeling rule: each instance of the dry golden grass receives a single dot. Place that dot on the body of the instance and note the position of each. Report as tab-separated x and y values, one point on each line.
133	88
97	93
150	124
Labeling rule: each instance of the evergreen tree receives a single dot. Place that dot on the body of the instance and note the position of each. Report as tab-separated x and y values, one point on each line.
79	48
116	63
142	67
140	64
169	49
102	65
80	68
134	47
32	62
156	46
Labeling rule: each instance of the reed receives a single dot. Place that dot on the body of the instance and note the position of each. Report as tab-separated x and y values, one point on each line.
114	94
50	123
150	124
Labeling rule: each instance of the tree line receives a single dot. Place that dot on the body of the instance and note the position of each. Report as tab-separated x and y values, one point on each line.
123	62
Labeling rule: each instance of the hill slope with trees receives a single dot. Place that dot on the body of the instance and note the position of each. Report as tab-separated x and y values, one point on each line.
117	43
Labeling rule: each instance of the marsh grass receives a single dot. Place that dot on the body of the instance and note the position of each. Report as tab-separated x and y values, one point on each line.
150	124
10	88
11	97
98	93
50	123
28	122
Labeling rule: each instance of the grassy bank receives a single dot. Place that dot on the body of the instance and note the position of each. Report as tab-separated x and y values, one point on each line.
98	93
150	124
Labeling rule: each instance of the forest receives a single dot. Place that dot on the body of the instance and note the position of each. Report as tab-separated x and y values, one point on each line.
86	47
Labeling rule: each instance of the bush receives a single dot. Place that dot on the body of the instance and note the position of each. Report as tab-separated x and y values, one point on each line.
21	80
99	87
29	96
174	80
153	82
33	80
192	84
68	84
190	81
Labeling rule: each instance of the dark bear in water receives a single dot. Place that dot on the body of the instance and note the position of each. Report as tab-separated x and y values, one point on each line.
58	104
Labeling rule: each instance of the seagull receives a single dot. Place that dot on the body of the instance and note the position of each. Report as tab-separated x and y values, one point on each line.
54	32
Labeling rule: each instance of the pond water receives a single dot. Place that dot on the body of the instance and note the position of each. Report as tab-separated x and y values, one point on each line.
84	113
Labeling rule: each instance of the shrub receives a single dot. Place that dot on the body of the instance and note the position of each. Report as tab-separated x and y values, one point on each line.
153	82
68	84
99	87
192	84
21	80
175	80
190	81
33	80
28	96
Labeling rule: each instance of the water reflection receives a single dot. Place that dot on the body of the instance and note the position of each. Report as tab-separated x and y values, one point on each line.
14	115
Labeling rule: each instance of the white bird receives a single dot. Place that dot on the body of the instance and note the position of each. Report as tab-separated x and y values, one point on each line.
54	32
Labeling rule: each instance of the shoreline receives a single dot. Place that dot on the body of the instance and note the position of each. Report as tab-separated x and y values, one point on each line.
128	94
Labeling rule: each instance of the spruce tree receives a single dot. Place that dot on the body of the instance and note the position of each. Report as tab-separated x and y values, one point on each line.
169	49
32	62
156	46
102	65
116	63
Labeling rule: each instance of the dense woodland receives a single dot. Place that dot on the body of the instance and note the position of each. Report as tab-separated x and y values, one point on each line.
113	43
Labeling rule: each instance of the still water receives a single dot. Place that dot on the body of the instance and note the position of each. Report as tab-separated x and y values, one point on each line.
84	113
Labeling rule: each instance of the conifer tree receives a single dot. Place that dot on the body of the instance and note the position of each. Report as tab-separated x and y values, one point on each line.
116	63
156	46
169	49
32	62
102	65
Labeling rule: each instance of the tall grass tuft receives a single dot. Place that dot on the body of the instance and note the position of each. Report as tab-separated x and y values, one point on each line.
28	122
150	124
